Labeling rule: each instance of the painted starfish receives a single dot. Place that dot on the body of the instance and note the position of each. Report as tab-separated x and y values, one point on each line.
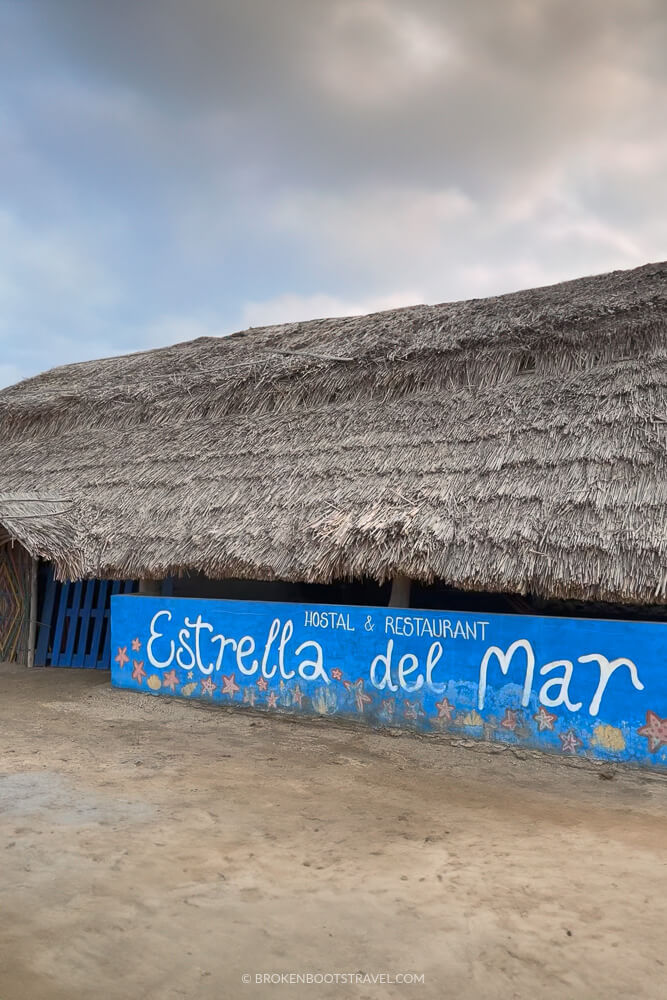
249	695
655	731
570	741
360	696
272	699
229	685
510	719
170	680
122	658
136	645
445	709
337	674
207	686
545	720
138	672
262	683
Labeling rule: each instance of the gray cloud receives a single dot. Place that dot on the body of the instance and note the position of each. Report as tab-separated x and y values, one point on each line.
171	168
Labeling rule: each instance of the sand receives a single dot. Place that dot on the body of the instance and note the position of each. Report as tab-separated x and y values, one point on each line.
157	849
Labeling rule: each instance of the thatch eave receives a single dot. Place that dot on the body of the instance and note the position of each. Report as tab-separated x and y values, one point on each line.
43	525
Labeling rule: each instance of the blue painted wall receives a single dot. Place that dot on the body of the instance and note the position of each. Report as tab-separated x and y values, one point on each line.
571	686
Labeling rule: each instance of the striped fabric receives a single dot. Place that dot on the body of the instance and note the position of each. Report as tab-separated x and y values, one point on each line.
14	603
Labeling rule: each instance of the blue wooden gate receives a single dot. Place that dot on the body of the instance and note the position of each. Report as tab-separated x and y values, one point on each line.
73	621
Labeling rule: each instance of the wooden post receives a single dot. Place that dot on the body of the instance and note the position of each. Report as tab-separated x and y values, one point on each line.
32	624
150	588
400	592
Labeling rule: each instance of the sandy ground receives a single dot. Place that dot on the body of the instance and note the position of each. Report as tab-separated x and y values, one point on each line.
156	849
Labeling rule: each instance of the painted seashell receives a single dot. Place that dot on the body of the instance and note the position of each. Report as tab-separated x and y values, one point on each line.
608	737
187	689
154	682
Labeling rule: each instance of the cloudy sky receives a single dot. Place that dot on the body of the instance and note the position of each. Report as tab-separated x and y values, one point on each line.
177	168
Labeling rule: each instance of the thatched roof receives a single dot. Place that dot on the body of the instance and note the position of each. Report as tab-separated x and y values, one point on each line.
516	443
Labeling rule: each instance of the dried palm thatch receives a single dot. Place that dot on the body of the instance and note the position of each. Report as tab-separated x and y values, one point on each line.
516	443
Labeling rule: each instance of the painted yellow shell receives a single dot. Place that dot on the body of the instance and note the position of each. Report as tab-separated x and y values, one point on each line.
473	719
154	682
608	737
187	689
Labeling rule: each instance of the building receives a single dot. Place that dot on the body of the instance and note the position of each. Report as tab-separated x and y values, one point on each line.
512	446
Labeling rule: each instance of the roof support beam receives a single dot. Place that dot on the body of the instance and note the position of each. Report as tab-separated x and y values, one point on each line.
32	624
400	592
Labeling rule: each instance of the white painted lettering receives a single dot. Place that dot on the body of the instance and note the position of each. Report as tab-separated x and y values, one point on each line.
404	671
434	654
184	646
221	652
288	629
607	667
562	685
504	661
273	632
312	670
159	664
385	659
246	647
